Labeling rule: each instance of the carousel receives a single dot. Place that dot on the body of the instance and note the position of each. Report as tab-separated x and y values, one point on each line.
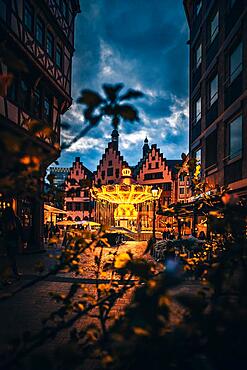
128	205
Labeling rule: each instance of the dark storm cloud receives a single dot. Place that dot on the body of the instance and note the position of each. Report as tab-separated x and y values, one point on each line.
141	43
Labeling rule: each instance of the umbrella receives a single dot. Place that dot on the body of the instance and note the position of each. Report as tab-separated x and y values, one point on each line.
66	223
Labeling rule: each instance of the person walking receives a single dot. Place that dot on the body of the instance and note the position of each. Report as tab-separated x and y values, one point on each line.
12	233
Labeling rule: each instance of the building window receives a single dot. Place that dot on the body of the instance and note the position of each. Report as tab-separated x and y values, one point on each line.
198	55
28	16
24	95
214	27
110	163
86	193
236	62
77	173
40	31
198	156
64	9
37	102
157	164
153	158
117	173
149	166
110	171
49	44
69	206
167	186
59	56
103	175
77	193
86	206
235	137
181	177
12	90
211	149
47	108
213	90
198	109
78	206
3	10
181	190
198	7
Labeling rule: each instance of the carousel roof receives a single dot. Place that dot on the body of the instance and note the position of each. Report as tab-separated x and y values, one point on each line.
124	193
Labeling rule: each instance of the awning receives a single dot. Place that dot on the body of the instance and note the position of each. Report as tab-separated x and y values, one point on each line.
54	210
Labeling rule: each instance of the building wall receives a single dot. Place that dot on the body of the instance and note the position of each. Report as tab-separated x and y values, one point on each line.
110	167
78	200
37	90
211	133
60	175
155	171
183	182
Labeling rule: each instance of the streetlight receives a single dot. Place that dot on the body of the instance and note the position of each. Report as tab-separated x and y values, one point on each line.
155	192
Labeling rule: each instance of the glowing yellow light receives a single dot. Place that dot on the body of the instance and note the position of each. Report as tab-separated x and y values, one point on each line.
124	193
126	172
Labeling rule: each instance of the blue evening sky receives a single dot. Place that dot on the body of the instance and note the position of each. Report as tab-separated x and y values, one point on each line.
141	43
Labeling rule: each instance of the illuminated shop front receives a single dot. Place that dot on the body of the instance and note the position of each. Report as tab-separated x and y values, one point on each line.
126	204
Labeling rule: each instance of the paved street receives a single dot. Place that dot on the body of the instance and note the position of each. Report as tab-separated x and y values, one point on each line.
25	310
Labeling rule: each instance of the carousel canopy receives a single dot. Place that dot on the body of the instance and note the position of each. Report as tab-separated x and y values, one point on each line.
124	193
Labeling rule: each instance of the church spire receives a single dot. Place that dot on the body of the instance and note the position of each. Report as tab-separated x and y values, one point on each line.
114	136
145	147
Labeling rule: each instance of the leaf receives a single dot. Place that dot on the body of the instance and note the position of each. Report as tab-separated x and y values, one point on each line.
111	91
131	94
90	98
128	112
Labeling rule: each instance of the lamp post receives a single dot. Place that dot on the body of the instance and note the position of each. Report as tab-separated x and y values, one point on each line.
155	192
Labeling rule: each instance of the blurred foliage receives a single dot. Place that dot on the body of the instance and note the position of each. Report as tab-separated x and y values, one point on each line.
112	105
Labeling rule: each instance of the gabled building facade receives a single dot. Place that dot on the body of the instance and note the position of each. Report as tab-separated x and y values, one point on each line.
153	169
110	167
78	203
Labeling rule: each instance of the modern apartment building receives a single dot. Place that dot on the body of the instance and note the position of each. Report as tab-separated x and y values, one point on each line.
218	90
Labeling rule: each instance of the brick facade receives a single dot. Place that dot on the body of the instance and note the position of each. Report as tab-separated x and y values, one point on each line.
77	186
218	56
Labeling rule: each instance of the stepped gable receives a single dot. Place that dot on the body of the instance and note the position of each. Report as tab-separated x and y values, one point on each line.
110	166
83	171
153	168
104	156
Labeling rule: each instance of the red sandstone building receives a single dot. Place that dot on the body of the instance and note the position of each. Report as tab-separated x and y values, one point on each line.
37	45
152	169
78	202
218	90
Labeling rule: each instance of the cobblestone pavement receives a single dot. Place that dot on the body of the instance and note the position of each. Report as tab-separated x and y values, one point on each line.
25	310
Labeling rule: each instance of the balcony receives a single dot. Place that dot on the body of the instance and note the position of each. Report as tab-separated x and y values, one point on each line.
234	90
196	130
212	114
